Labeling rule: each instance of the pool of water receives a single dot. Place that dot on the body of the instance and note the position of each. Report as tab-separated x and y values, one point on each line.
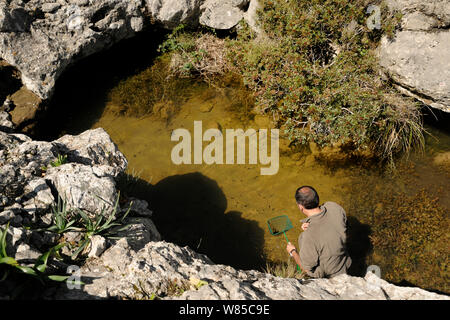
222	210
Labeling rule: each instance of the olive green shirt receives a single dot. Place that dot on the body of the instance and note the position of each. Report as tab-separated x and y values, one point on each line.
322	245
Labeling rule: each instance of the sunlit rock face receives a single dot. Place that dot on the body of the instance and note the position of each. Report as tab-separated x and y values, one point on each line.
417	59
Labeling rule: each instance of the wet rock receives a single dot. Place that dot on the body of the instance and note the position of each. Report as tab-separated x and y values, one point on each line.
442	159
262	121
205	108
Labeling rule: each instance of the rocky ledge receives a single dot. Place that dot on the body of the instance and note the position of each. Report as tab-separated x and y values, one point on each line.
137	264
417	59
42	37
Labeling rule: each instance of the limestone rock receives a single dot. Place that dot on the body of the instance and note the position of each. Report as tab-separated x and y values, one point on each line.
42	46
419	62
171	13
418	58
5	122
139	232
121	272
39	196
422	15
91	189
93	147
137	207
222	14
97	246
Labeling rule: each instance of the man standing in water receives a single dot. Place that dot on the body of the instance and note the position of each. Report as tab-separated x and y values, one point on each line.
322	250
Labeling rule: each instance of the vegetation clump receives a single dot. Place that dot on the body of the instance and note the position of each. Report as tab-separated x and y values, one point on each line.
410	240
313	69
138	94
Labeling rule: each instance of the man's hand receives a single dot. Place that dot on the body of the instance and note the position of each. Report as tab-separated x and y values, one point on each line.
289	248
305	226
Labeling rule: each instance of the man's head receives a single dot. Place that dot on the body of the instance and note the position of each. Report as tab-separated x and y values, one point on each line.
307	198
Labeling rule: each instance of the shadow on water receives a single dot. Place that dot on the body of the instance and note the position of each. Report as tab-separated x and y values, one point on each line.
190	210
437	119
81	92
358	245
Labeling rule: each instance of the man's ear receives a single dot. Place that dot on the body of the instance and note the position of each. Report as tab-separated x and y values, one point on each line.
300	207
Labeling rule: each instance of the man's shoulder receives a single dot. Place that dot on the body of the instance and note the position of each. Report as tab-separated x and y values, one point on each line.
333	206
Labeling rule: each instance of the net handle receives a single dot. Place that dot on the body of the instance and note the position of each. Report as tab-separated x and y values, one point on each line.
284	232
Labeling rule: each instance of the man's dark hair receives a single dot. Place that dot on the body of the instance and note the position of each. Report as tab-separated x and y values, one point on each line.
307	196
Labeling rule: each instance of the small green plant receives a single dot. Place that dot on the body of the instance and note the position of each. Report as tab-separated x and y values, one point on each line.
101	224
60	160
61	218
39	268
284	269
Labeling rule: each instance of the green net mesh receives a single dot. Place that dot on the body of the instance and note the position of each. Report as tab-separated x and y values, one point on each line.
279	224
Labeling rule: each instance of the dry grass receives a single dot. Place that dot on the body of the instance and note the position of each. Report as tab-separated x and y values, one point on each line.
205	57
404	129
286	269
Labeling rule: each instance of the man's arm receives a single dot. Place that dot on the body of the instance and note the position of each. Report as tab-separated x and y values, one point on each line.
309	260
294	254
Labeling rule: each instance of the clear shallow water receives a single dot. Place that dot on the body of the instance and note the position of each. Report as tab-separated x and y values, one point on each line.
221	210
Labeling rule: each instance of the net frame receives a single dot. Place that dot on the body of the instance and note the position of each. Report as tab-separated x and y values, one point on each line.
279	224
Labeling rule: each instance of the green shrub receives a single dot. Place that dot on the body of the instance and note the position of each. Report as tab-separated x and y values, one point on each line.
38	270
60	160
314	69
